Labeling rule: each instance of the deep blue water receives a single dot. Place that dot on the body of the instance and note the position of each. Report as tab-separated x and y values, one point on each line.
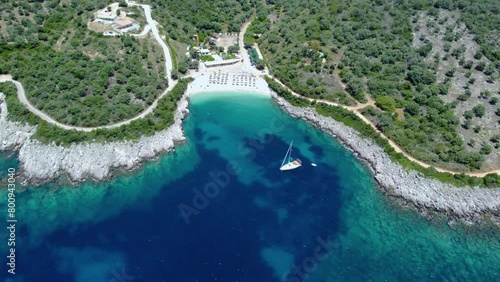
253	222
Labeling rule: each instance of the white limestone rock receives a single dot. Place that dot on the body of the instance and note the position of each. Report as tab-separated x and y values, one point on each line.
399	182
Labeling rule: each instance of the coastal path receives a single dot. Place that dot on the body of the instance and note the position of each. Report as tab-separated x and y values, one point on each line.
21	94
246	62
357	111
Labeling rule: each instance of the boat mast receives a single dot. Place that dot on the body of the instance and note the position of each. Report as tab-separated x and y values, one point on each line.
288	152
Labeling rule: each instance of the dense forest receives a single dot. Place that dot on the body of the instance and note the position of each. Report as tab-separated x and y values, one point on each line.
368	46
344	51
75	75
161	118
183	19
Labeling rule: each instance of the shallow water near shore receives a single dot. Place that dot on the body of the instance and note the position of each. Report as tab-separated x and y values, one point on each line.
245	221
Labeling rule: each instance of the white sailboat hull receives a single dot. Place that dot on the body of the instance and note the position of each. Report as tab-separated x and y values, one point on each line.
290	166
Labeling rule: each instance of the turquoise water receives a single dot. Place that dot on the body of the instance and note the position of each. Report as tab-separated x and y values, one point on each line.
219	209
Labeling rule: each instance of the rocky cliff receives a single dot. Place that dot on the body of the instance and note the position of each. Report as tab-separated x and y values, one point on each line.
41	163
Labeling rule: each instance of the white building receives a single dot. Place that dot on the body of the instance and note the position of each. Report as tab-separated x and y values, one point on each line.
108	14
204	52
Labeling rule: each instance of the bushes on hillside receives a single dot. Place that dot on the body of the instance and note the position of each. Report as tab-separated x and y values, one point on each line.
161	118
352	120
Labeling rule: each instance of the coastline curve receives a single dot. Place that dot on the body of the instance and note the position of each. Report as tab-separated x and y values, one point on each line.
397	181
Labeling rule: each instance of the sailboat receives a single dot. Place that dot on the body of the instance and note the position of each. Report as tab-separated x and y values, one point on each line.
289	163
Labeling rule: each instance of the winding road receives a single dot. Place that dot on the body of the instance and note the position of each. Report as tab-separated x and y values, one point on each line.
168	70
145	31
357	111
246	62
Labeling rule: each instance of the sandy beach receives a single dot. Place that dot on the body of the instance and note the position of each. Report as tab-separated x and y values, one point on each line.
425	194
42	163
227	81
231	78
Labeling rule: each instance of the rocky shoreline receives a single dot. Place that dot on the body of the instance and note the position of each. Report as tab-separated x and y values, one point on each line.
426	194
41	163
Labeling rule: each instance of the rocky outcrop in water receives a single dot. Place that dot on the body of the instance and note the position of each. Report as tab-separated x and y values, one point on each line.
397	181
42	163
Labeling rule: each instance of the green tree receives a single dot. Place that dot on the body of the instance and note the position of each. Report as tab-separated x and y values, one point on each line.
384	123
412	108
247	44
485	149
194	54
233	49
489	70
495	138
260	64
479	111
175	74
480	66
386	103
310	81
485	94
182	67
355	87
468	114
420	75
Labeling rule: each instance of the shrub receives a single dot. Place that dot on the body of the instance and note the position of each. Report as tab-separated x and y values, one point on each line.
386	103
479	111
161	118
